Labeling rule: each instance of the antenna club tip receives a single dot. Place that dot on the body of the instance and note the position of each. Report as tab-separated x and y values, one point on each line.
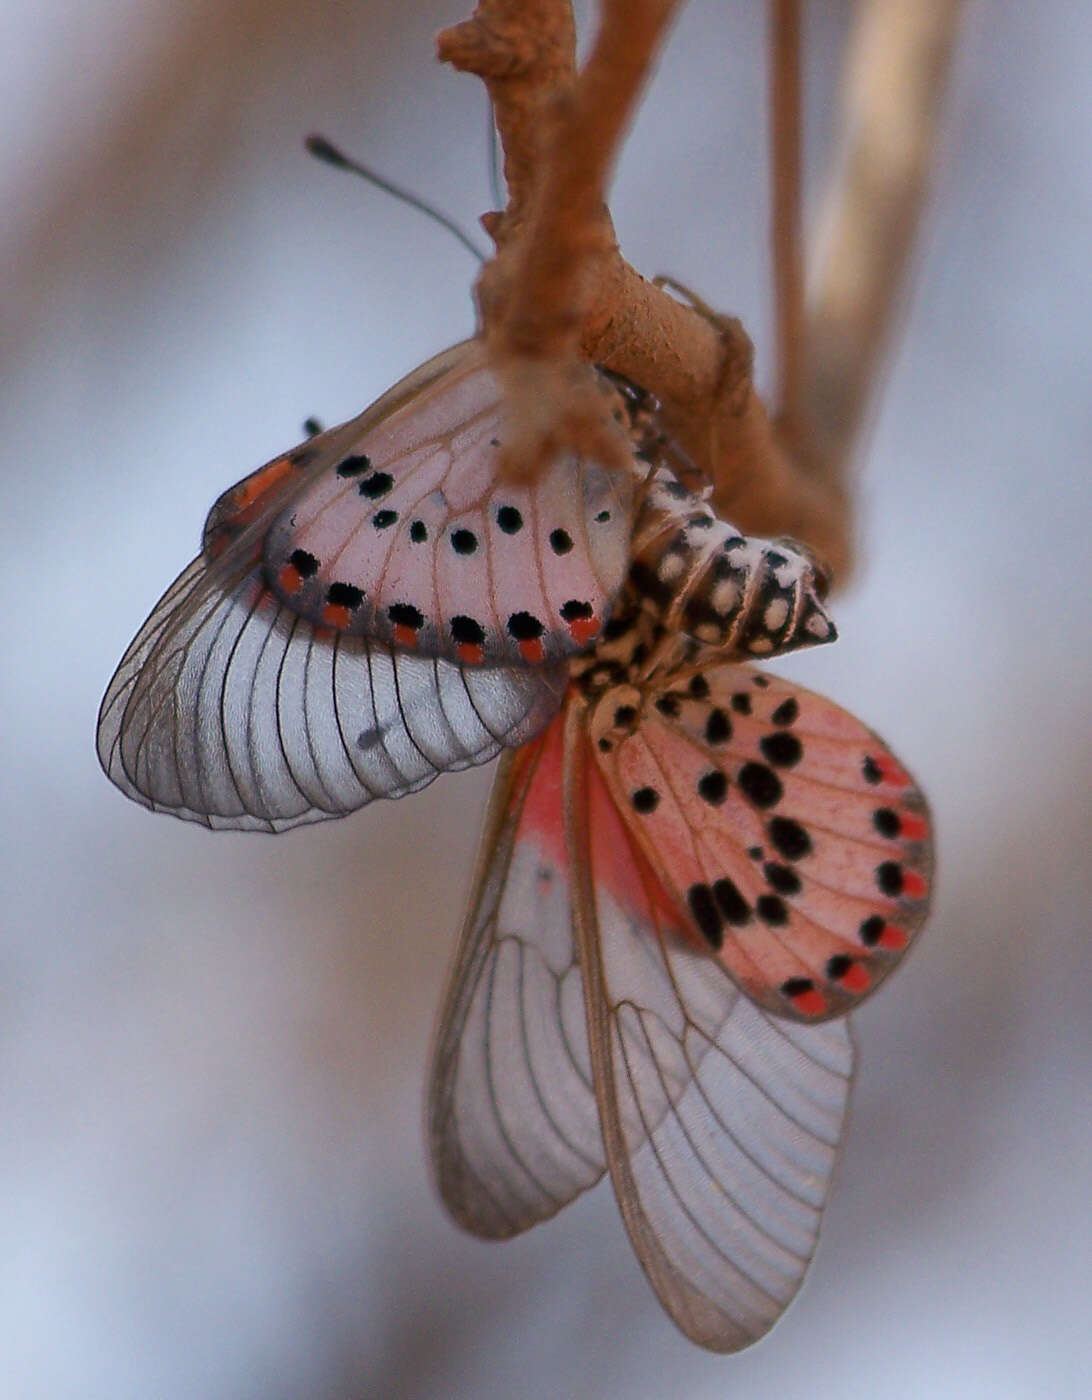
323	149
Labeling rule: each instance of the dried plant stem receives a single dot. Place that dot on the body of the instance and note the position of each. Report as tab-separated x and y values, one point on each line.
558	293
536	295
785	233
523	51
900	56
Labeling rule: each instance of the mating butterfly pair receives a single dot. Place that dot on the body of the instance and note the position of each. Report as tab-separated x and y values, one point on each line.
690	870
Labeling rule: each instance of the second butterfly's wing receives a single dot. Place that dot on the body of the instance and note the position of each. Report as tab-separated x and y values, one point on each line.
513	1123
796	843
231	710
721	1124
402	530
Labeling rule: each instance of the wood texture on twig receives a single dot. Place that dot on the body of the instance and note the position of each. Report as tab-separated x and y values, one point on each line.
559	293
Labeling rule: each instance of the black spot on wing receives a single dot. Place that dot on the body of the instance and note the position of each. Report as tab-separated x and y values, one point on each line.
718	727
713	787
645	800
706	915
353	465
376	485
306	565
406	615
730	902
781	878
789	838
524	627
761	784
344	595
886	822
781	748
465	631
770	908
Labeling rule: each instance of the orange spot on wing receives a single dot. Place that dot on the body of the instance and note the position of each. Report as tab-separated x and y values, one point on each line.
237	507
256	486
892	938
532	650
891	772
404	636
290	579
220	537
337	615
470	653
584	629
539	763
856	978
913	885
810	1003
912	828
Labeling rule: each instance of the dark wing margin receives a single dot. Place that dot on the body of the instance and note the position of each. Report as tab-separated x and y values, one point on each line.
512	1118
721	1123
230	710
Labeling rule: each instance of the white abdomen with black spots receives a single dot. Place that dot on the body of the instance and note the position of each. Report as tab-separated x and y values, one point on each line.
738	594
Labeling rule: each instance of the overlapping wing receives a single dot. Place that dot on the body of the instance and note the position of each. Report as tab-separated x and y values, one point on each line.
408	533
513	1124
721	1123
797	843
229	709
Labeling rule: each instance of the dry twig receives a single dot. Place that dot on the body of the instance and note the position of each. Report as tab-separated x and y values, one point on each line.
899	58
785	232
559	294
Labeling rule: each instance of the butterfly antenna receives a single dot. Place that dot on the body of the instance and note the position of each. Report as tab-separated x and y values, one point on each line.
322	149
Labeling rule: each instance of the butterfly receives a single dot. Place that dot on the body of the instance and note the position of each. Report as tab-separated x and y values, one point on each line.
691	870
367	610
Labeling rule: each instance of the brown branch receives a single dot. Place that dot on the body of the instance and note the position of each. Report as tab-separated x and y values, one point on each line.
523	51
552	241
568	229
785	182
558	293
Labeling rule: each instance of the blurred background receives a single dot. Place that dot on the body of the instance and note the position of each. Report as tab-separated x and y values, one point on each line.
212	1173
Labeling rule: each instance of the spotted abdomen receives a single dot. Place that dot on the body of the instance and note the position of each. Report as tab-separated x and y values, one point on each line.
739	595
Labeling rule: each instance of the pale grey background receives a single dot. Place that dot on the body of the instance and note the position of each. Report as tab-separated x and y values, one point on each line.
212	1175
